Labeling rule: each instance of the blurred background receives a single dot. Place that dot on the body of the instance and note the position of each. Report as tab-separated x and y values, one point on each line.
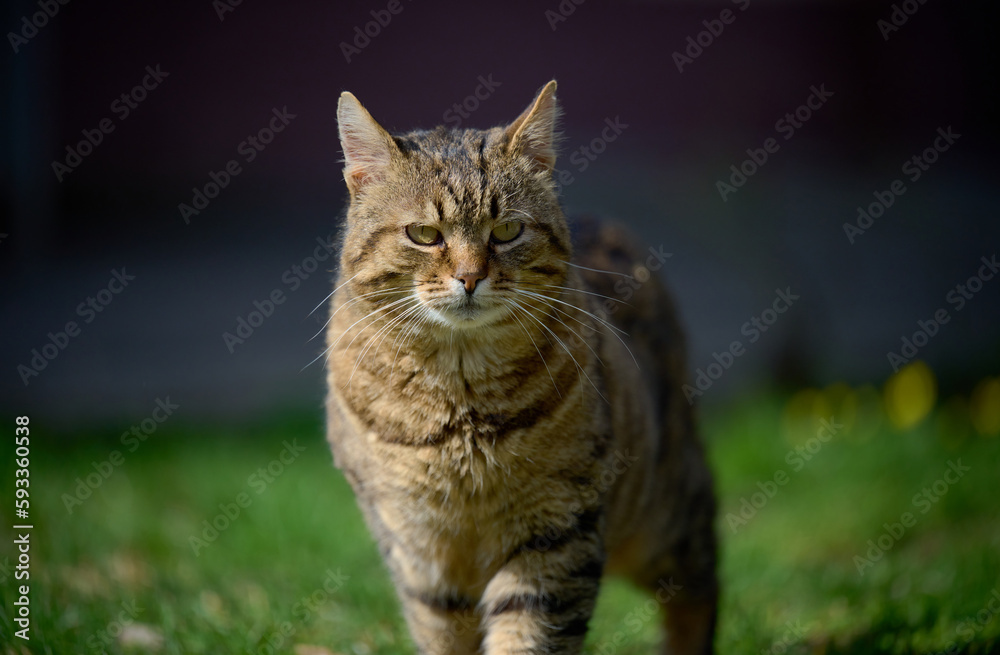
822	174
692	110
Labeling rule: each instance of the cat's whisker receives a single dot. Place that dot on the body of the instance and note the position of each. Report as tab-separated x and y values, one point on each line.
595	270
569	304
584	291
394	306
341	286
374	313
617	332
570	353
403	318
426	318
360	298
384	330
392	318
561	311
575	333
411	331
512	304
597	318
524	309
321	303
330	348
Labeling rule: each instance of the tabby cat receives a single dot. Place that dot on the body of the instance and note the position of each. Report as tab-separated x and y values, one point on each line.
511	430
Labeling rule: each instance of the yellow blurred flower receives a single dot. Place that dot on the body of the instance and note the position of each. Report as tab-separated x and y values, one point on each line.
909	395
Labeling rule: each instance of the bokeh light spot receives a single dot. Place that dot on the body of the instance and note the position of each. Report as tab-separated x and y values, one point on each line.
802	414
909	395
984	407
843	403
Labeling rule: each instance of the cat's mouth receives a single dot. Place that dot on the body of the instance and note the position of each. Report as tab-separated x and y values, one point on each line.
466	312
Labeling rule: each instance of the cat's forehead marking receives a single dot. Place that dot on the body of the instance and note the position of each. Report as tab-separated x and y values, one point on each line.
456	171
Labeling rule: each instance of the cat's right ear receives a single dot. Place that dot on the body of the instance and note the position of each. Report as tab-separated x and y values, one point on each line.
368	148
534	134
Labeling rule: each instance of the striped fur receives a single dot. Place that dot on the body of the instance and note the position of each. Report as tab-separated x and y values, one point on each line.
504	446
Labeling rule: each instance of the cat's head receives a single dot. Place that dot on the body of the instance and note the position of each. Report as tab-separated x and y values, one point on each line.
464	223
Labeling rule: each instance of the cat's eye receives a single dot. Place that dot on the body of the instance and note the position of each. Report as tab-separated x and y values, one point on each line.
507	231
425	235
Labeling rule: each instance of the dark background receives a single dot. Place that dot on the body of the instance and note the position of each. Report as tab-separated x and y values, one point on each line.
162	336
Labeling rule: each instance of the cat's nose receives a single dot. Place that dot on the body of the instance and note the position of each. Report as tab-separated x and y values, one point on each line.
470	277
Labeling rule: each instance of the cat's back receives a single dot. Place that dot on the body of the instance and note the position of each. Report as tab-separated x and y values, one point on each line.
632	296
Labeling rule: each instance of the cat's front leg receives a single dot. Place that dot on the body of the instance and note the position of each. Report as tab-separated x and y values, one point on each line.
441	625
542	598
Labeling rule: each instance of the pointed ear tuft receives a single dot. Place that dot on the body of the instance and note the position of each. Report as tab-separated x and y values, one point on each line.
533	134
368	148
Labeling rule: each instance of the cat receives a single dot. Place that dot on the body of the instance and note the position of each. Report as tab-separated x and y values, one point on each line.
511	429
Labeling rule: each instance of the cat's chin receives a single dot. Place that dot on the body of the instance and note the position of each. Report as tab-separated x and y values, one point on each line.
466	317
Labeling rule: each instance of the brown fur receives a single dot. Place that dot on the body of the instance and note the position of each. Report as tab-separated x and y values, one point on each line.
503	444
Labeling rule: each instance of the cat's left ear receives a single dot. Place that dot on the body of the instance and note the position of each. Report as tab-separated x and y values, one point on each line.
534	131
368	148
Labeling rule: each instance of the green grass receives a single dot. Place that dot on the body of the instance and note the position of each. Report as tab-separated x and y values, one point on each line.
791	583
